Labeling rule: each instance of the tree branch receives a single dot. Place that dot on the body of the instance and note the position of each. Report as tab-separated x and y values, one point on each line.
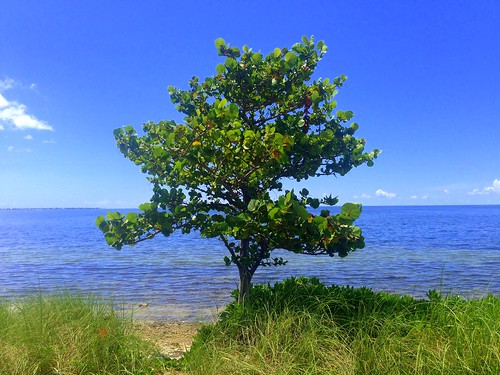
234	258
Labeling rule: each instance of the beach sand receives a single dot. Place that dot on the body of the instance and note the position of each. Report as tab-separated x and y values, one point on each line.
173	338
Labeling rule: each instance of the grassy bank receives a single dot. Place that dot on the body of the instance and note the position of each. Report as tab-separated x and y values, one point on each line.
299	326
302	327
69	334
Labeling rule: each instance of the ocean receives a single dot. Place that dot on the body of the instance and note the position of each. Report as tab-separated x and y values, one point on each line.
409	250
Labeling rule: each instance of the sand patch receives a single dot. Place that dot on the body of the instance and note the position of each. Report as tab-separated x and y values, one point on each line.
172	338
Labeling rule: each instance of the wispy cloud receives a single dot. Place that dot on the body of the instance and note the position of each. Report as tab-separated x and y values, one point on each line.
425	196
14	114
364	195
385	194
14	149
6	84
29	137
494	188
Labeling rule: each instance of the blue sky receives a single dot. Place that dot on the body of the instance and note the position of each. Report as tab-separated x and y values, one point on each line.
424	84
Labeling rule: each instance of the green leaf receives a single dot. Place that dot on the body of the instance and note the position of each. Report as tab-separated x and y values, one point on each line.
277	52
314	202
249	134
219	42
118	132
231	63
145	207
100	219
110	238
102	224
349	115
114	216
233	135
158	152
330	200
316	98
273	212
302	212
222	103
221	69
351	210
253	205
288	197
235	111
235	51
290	57
132	217
321	222
257	57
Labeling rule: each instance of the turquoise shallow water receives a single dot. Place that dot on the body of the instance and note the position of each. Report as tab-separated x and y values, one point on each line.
409	250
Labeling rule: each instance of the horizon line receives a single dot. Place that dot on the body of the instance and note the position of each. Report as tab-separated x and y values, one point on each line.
136	208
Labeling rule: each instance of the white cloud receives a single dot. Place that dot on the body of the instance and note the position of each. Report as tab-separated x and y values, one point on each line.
13	149
29	137
494	188
3	101
446	191
364	195
15	114
6	84
425	196
385	194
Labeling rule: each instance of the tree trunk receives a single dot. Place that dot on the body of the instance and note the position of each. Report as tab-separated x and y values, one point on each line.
244	285
245	273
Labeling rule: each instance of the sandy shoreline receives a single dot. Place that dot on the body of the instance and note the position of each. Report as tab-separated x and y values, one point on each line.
171	313
172	338
170	327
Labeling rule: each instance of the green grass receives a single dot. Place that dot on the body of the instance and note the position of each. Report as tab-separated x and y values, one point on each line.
69	334
298	326
303	327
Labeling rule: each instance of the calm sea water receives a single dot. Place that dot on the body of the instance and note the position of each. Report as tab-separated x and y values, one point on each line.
409	250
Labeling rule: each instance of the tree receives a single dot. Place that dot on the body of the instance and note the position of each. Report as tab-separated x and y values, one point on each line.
258	121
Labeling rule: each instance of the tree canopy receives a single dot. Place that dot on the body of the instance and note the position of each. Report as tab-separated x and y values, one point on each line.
258	121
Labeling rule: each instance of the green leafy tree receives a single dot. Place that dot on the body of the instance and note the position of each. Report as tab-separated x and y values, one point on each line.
258	121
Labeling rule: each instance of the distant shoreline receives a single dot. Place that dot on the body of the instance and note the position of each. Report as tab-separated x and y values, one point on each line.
339	205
